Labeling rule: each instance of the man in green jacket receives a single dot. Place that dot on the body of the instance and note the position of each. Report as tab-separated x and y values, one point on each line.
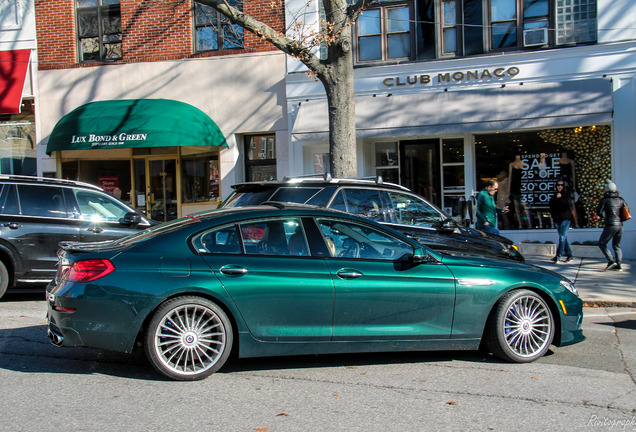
486	218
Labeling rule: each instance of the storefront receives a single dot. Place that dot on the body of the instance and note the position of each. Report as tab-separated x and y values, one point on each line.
443	131
17	116
159	155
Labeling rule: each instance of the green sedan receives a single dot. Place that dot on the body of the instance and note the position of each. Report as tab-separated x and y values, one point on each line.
288	280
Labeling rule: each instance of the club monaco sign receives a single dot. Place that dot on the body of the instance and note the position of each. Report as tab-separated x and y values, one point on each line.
107	140
458	77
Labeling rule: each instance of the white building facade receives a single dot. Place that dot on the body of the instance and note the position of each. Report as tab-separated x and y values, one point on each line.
451	93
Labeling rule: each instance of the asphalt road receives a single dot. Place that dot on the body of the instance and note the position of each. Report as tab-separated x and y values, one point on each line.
588	386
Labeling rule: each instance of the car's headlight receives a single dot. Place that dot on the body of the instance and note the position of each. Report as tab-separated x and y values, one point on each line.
570	287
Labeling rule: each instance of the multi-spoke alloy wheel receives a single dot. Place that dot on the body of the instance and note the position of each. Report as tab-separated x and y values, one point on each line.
521	328
188	338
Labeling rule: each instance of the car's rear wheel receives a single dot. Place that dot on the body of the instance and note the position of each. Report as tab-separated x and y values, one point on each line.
4	279
188	338
521	327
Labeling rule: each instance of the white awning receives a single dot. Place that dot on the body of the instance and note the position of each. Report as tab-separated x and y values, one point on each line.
513	106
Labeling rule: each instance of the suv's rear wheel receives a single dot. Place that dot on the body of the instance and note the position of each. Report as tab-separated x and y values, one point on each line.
4	278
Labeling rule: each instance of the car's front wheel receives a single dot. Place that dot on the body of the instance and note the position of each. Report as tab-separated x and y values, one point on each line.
188	338
521	327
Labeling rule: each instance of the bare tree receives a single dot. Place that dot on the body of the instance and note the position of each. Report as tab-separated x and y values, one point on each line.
335	71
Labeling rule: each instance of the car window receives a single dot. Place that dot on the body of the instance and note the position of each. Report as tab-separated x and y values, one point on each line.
294	194
9	200
411	210
352	240
275	237
44	201
361	202
223	240
99	206
244	199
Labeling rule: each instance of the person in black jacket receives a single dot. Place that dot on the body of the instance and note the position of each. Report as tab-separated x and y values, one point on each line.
561	211
610	208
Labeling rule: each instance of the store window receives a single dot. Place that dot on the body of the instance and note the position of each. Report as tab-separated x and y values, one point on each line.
99	30
200	178
260	157
17	142
528	165
386	162
384	33
213	31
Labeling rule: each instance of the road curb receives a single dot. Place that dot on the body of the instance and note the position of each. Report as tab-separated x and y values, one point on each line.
608	303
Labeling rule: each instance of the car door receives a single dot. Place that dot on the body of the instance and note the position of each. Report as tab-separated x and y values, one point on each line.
101	216
33	220
379	294
282	292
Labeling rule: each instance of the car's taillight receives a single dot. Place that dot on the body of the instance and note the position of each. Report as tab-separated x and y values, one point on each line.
87	270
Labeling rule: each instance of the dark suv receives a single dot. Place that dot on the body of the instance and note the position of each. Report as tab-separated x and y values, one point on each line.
387	203
37	213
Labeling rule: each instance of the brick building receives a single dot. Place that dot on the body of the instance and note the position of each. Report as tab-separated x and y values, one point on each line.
108	50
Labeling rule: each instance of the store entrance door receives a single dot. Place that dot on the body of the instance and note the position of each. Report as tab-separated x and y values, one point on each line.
156	188
421	168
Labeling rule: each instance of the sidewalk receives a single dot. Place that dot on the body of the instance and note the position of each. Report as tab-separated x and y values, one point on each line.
596	286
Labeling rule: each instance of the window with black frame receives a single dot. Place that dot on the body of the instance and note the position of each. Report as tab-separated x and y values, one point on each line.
99	30
214	31
260	157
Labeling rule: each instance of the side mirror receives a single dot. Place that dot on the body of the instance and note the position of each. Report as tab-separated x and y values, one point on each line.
420	256
131	218
449	225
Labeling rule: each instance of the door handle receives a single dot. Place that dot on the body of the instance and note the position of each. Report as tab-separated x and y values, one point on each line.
12	225
233	270
96	230
348	274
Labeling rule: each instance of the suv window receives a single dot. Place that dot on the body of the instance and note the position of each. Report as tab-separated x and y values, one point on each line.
294	195
9	200
361	202
42	201
97	206
247	199
409	210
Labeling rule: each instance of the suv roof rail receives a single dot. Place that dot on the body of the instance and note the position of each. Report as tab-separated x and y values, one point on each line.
47	180
325	177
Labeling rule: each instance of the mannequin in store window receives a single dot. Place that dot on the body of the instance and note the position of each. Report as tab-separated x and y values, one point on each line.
515	168
568	175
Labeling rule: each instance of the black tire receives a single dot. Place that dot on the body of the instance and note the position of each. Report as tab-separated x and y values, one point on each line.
521	327
188	338
4	279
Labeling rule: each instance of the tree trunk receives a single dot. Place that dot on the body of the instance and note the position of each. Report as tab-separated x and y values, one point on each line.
338	83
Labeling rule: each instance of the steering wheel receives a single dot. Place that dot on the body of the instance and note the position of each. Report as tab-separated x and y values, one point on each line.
351	248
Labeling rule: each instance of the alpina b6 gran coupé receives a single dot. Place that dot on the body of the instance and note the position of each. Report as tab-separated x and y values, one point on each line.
285	280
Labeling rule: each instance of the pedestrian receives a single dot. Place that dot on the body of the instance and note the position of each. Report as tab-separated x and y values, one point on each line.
486	217
561	206
610	208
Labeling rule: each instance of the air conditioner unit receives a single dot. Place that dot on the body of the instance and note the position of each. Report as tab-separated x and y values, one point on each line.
535	37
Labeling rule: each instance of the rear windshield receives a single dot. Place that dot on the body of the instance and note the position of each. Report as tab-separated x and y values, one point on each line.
244	199
294	194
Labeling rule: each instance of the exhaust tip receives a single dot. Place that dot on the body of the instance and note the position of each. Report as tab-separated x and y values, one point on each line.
56	338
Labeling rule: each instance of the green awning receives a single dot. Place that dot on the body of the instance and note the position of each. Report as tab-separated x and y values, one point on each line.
134	123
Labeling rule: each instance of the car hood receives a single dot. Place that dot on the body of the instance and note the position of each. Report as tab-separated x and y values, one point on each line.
496	263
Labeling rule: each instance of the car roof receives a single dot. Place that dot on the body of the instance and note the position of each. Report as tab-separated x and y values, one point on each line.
319	180
46	181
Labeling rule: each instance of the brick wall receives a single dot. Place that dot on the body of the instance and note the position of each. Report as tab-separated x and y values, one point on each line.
152	30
